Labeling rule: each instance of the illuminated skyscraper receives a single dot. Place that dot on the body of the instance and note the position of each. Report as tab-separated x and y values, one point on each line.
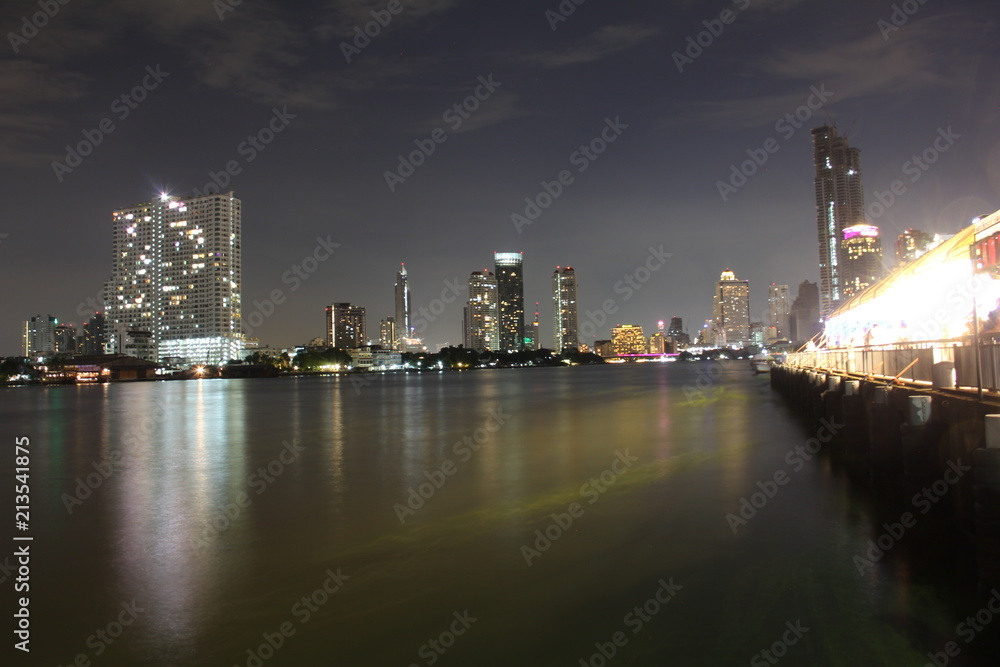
731	311
565	332
862	258
176	280
912	244
840	203
345	326
628	339
404	309
536	332
779	307
482	313
510	290
39	337
387	333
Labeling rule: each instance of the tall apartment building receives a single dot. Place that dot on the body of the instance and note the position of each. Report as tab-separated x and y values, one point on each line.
863	265
39	337
387	333
731	311
404	310
345	326
565	330
482	312
175	287
840	203
510	291
779	307
804	318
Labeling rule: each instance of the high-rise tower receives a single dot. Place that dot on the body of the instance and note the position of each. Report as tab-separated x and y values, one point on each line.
482	325
565	332
403	308
346	326
510	290
779	307
863	264
731	311
840	203
176	279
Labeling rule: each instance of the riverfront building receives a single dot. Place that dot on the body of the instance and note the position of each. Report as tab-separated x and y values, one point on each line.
482	312
731	311
779	308
862	256
840	203
404	310
510	291
628	339
565	332
175	286
345	326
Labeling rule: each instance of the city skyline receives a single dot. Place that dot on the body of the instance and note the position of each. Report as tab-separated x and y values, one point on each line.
711	162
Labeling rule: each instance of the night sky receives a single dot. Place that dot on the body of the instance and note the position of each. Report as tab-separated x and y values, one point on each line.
343	125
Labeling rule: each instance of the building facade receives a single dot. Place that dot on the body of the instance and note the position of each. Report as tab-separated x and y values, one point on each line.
404	310
731	311
805	318
92	336
39	337
387	333
177	276
779	308
482	312
628	339
510	297
345	326
863	265
911	244
565	329
840	203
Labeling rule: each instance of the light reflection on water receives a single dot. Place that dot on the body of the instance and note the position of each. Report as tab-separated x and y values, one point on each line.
213	572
